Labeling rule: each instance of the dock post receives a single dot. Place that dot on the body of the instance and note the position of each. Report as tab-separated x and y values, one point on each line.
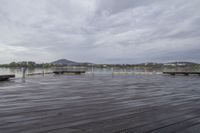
92	71
24	72
112	70
43	70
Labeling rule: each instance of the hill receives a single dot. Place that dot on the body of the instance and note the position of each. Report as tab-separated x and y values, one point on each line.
65	62
69	62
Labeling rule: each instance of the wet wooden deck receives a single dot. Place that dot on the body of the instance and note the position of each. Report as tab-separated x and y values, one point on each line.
100	104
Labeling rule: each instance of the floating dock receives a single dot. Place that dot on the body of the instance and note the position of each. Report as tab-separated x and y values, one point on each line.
69	72
182	73
6	77
32	74
136	73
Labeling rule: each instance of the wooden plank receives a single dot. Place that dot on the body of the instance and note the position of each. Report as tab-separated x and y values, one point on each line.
32	74
177	126
183	73
170	124
192	129
69	72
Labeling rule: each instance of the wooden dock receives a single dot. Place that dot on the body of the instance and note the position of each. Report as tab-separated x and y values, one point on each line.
69	72
100	104
6	77
182	73
33	74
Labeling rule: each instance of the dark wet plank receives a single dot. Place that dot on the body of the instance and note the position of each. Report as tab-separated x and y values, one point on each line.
68	72
100	104
184	73
191	129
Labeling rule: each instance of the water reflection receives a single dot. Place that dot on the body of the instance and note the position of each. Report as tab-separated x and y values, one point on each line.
19	73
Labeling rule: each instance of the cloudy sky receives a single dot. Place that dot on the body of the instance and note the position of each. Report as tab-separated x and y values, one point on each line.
100	31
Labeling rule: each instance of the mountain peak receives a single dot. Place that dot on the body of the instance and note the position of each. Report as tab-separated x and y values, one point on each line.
64	62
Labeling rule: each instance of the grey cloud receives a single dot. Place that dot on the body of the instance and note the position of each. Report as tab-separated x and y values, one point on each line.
115	6
101	31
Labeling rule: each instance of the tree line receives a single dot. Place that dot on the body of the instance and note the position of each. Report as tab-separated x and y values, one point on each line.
28	64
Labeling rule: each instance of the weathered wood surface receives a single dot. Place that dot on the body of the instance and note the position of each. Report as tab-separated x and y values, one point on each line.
100	104
6	77
183	73
68	72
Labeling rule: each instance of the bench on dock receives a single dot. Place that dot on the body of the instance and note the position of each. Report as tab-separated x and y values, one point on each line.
68	72
182	73
6	77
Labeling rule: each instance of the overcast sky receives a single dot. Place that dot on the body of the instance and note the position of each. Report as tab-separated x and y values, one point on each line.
100	31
